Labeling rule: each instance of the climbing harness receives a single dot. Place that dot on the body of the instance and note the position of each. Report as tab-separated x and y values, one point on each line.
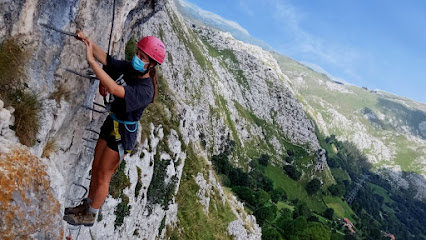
117	135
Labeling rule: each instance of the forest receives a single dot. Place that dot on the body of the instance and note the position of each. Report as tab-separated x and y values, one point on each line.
378	210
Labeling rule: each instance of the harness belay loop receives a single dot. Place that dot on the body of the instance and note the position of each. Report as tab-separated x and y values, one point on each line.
125	123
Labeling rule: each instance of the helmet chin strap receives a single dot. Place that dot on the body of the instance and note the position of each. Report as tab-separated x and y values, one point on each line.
149	68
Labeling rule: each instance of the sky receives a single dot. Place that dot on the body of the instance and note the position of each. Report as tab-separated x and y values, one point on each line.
379	44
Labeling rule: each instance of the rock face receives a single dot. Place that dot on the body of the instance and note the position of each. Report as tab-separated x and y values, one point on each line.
220	89
28	208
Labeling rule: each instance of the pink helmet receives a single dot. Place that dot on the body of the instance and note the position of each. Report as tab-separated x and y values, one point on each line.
153	47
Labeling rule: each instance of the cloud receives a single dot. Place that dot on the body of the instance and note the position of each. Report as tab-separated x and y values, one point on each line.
244	8
212	16
311	48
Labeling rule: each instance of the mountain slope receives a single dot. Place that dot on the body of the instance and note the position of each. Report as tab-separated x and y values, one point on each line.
387	128
213	90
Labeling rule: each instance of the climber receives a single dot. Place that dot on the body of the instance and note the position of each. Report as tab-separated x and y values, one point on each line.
138	88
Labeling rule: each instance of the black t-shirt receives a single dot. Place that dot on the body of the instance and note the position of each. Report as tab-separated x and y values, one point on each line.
138	95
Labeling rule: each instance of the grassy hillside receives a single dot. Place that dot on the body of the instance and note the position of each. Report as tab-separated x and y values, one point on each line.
387	128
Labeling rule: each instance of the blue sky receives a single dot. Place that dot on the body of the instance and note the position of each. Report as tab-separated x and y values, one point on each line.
378	44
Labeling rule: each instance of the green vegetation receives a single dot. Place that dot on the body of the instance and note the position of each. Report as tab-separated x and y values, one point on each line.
382	115
377	206
412	117
139	183
232	66
191	42
119	182
340	207
157	113
313	186
13	91
190	212
130	50
158	191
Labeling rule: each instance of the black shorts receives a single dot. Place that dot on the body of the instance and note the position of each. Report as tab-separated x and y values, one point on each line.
107	134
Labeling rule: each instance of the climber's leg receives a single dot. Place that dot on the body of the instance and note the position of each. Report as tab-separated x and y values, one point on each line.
85	204
110	160
101	145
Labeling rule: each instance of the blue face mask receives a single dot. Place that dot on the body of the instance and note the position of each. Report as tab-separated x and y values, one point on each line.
138	64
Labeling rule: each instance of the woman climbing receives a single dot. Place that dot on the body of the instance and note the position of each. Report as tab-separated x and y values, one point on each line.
138	88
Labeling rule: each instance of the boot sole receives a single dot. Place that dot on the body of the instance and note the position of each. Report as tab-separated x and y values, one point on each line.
69	221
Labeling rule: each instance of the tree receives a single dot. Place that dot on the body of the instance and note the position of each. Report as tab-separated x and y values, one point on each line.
350	237
313	186
265	213
333	162
328	213
278	194
289	159
270	233
302	209
264	160
315	231
238	177
261	180
292	172
337	189
246	194
262	198
296	226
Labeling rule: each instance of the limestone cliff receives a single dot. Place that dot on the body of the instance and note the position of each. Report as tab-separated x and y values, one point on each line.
213	89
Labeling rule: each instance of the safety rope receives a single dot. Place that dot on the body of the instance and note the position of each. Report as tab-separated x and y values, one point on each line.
112	25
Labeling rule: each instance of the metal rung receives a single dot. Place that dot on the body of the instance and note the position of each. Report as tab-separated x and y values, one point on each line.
92	109
90	140
100	105
93	131
92	148
85	192
91	77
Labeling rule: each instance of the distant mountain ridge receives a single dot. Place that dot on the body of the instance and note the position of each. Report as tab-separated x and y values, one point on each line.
389	129
210	19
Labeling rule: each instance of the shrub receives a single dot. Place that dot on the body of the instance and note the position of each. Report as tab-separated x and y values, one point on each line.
122	210
119	181
264	160
266	213
292	172
278	194
328	213
12	91
26	107
49	148
270	233
313	186
245	194
158	191
262	198
139	183
238	177
302	209
289	159
130	49
337	189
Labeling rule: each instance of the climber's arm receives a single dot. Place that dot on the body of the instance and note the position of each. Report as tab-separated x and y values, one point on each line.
110	85
98	52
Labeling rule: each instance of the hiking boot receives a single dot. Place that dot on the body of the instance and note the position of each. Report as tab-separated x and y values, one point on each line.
85	218
78	209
